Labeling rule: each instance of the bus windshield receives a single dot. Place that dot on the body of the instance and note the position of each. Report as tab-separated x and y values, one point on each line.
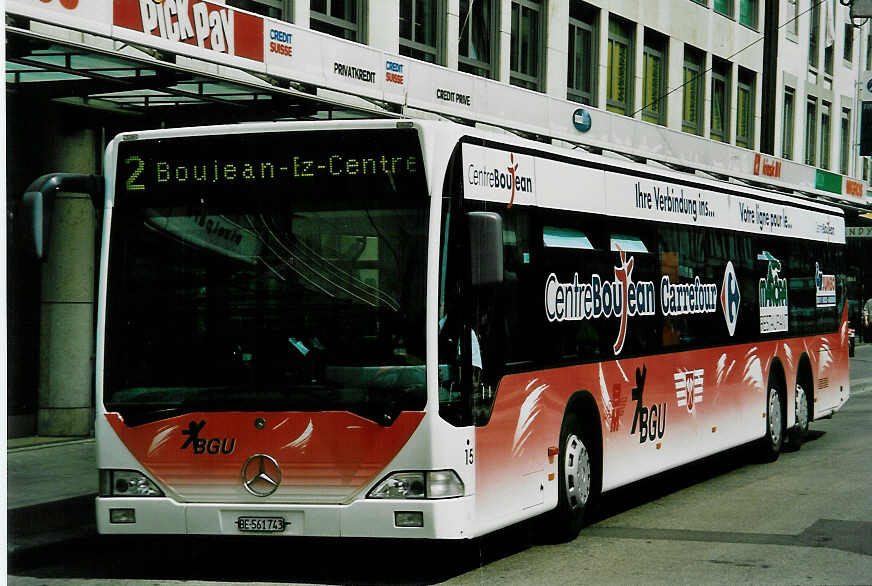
301	296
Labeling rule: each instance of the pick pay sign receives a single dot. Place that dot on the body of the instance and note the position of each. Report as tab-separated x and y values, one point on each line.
207	26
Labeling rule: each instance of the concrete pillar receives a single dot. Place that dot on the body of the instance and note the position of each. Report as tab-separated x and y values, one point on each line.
557	48
383	26
67	311
452	34
505	52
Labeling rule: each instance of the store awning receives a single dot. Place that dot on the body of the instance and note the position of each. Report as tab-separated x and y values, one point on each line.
122	81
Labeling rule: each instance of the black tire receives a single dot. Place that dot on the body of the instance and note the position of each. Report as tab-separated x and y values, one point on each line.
578	472
770	445
800	429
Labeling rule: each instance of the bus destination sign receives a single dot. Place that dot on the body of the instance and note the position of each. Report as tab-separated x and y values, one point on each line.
240	162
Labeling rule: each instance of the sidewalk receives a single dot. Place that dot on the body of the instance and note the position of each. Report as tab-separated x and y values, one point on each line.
51	485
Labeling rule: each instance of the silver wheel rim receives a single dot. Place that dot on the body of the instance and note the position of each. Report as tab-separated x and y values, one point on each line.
801	408
774	417
576	472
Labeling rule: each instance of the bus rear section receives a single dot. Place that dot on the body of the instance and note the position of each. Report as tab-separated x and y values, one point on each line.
263	337
644	320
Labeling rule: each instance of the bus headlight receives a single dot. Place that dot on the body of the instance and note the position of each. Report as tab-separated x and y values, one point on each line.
127	483
429	484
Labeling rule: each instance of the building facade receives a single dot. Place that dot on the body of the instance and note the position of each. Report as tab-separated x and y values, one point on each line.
762	91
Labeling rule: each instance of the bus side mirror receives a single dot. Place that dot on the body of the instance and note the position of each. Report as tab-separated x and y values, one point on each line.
486	247
38	208
37	204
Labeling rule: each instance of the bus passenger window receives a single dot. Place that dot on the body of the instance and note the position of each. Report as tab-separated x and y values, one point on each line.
621	242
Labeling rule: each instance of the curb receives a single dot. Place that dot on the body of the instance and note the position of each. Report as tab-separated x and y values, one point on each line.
861	386
33	528
62	442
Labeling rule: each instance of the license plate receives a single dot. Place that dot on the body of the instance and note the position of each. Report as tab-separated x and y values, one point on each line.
262	524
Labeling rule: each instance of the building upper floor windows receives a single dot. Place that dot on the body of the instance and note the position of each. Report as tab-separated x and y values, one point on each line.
422	29
848	48
277	9
792	20
811	131
788	115
845	142
582	71
654	76
814	36
748	13
340	18
720	114
724	7
620	67
527	54
479	37
825	135
745	98
692	94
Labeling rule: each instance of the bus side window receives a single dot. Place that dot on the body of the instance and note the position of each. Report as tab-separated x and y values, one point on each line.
682	262
570	248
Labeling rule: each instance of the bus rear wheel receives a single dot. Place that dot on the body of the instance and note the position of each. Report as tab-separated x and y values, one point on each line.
578	478
800	430
771	444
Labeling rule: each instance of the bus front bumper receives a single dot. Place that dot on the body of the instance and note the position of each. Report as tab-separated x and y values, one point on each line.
438	519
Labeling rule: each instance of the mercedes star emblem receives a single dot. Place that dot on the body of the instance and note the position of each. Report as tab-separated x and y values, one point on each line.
261	475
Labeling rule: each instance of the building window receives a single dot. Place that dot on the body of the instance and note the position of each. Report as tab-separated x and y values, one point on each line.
848	51
814	36
828	59
582	72
654	78
793	14
269	8
691	116
421	29
724	7
703	2
620	67
811	132
845	146
526	49
829	41
479	32
340	18
825	135
748	13
745	109
868	52
720	114
787	120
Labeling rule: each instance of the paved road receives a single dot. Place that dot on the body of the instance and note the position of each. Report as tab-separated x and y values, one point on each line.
805	519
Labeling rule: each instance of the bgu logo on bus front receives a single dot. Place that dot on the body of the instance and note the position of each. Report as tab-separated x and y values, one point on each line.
201	445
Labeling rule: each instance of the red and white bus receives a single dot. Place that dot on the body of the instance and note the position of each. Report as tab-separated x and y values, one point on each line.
417	329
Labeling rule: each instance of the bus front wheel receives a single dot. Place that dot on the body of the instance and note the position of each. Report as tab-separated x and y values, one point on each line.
578	481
